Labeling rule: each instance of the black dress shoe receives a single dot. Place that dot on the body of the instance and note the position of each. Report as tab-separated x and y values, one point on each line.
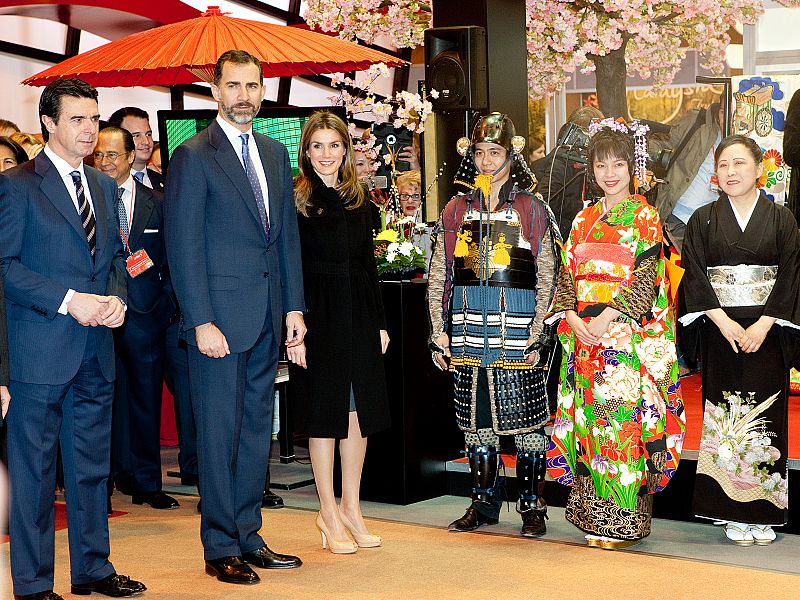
158	500
271	500
265	558
48	595
116	586
231	569
533	524
471	520
189	479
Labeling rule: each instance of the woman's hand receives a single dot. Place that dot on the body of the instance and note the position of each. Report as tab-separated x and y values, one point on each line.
598	326
5	399
754	336
443	341
581	331
297	355
384	341
729	328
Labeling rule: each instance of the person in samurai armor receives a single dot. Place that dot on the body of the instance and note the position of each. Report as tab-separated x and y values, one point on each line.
491	281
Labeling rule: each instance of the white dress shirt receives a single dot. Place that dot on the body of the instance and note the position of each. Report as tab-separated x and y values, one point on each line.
233	137
65	172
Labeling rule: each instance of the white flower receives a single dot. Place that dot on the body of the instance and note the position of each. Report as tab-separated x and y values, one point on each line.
626	476
406	248
434	94
580	416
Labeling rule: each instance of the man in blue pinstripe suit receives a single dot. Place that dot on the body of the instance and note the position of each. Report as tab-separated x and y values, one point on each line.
62	262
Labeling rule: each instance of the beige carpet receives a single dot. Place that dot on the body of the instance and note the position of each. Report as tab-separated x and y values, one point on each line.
164	551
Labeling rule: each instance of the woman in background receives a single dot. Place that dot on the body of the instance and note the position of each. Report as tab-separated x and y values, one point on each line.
336	377
11	154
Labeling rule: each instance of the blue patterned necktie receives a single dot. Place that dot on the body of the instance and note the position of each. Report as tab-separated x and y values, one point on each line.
122	214
85	210
250	171
139	176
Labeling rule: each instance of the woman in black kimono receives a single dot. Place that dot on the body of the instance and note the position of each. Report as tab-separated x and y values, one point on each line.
336	379
741	290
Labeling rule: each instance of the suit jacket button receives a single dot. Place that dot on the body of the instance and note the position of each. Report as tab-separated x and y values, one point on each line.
94	278
266	273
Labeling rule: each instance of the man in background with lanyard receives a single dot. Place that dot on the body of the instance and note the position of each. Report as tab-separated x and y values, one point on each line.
139	343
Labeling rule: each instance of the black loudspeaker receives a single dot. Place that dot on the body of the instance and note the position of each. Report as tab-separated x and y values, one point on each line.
455	66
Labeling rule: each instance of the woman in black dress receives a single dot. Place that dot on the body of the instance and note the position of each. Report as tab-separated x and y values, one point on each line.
742	260
336	377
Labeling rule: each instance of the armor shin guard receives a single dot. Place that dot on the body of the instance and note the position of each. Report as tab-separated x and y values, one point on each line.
531	470
485	507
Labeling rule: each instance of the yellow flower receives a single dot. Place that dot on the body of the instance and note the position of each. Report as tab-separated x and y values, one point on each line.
389	235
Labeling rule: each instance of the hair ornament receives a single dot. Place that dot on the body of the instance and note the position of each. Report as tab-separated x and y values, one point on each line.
636	130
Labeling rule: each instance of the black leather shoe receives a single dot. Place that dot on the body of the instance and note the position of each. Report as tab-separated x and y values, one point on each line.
231	569
189	479
533	524
48	595
158	500
264	558
116	586
271	500
471	520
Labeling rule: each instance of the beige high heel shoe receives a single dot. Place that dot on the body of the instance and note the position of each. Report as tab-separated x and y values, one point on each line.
335	546
364	540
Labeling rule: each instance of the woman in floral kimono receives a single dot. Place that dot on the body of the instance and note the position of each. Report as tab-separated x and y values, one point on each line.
619	426
741	289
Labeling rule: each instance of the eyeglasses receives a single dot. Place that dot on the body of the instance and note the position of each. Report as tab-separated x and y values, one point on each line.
415	197
112	156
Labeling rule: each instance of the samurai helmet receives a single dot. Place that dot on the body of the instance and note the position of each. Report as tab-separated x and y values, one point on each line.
494	128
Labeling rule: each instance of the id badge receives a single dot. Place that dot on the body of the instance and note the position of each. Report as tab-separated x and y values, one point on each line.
138	262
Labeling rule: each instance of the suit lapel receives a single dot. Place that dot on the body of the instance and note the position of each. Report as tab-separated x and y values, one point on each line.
274	185
142	210
55	191
232	167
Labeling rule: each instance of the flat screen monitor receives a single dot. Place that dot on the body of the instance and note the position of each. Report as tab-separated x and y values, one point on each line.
280	123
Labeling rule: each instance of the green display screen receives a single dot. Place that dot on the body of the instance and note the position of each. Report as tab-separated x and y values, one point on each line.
282	124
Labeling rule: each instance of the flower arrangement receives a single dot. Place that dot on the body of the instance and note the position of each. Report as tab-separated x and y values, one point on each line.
735	436
404	109
394	250
402	22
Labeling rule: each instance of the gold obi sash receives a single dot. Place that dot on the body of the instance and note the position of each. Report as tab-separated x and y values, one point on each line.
742	285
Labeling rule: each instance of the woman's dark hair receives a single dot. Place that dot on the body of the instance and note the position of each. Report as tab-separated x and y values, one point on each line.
19	152
607	144
733	140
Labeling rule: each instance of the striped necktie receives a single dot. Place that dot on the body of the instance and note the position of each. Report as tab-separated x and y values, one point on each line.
85	210
139	176
122	214
250	171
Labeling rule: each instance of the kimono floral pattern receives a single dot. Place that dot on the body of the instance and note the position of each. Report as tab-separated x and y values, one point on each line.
736	450
620	410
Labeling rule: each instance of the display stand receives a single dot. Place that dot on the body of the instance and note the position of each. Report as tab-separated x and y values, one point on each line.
406	463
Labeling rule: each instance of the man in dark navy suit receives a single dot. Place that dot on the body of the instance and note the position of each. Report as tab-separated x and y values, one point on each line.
139	343
63	267
233	249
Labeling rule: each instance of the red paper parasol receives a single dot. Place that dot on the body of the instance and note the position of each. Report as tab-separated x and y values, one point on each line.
185	52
